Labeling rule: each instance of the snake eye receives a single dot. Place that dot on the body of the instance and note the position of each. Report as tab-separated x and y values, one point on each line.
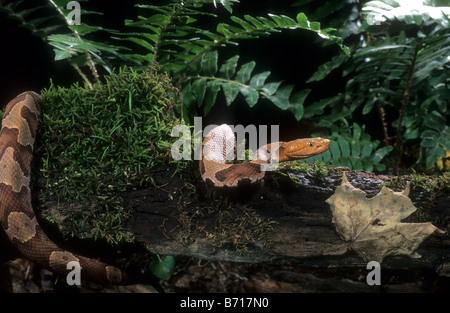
310	144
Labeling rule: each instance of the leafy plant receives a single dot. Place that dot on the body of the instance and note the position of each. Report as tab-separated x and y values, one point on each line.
190	54
201	88
173	37
403	74
50	21
394	63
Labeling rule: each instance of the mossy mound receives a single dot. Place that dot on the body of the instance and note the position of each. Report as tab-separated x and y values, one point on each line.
96	143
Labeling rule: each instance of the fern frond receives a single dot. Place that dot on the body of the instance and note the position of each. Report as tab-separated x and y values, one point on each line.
167	31
205	82
68	39
403	72
40	20
169	36
160	37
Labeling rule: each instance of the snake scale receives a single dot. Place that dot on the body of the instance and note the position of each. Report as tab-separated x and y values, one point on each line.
18	220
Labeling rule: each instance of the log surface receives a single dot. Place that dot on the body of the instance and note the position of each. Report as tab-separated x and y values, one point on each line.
303	230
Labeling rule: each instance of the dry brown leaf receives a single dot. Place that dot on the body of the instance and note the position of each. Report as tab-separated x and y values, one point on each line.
373	225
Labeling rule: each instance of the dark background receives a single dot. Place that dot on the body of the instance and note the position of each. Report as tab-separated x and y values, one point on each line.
292	56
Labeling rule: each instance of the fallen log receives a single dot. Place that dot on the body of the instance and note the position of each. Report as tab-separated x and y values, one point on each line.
295	223
279	235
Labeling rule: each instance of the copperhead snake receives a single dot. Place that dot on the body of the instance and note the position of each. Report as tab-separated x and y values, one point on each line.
18	220
219	145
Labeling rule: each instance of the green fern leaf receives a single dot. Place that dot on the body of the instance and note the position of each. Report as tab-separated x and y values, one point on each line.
296	103
209	63
244	73
213	88
270	88
258	80
251	95
68	46
231	90
198	88
327	67
228	68
281	97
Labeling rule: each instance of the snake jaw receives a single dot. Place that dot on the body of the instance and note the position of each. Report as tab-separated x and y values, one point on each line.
303	148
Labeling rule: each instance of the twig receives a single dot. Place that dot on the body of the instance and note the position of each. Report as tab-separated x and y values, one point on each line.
80	72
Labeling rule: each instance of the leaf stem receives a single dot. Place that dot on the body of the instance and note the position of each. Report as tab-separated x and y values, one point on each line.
80	72
403	104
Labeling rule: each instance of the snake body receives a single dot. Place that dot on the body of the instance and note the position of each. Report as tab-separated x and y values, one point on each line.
17	218
219	144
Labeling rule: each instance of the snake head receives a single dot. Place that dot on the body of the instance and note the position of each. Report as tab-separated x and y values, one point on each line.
303	148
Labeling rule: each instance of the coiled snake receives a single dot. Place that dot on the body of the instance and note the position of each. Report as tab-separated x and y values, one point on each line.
219	144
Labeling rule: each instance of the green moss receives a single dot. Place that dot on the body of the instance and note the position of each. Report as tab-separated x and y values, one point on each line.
426	186
396	184
94	144
318	170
